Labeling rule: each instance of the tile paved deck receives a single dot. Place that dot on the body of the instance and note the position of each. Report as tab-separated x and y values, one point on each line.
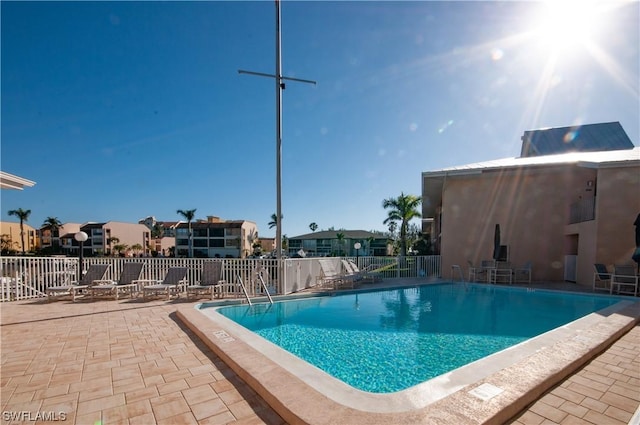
130	362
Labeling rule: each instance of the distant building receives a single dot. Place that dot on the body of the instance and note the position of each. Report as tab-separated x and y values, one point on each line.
163	235
102	239
326	243
11	239
559	209
50	238
217	238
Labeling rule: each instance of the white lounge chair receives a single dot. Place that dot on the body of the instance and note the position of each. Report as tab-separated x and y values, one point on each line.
330	275
601	278
95	272
210	280
501	273
124	285
624	280
174	282
366	274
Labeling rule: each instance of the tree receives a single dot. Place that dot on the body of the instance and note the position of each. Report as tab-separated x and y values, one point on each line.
120	248
404	208
6	244
54	226
157	231
340	237
136	248
23	215
274	221
313	226
188	215
112	241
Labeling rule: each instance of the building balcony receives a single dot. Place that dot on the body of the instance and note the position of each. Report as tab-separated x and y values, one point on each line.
583	210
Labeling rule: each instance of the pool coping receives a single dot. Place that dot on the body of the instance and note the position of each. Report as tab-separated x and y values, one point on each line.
301	393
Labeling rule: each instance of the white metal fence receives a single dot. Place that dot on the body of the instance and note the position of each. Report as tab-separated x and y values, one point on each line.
29	277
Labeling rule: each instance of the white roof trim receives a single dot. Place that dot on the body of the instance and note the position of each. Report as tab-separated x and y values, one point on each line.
600	159
9	181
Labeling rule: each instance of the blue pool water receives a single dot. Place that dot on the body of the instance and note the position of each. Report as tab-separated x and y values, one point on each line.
389	340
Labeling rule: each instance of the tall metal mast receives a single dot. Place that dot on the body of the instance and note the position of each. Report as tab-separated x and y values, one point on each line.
279	79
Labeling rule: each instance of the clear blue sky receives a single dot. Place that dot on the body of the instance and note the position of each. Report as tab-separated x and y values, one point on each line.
121	110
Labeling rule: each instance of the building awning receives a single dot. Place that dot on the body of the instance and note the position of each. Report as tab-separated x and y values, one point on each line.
9	181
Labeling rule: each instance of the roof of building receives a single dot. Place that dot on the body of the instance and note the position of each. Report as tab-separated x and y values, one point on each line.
228	224
581	138
601	159
348	234
10	181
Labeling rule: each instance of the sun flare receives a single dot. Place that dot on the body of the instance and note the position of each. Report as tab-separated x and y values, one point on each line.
567	23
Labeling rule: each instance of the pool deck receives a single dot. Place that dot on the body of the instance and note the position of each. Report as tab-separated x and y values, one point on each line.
136	362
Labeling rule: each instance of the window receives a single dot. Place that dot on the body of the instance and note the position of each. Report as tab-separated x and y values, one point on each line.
233	232
200	233
183	231
216	233
200	242
200	253
235	243
182	242
216	243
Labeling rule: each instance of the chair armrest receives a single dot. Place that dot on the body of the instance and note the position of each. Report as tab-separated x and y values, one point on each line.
145	282
103	282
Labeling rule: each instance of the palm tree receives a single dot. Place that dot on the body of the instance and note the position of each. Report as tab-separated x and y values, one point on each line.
313	226
23	215
188	215
114	240
402	209
340	237
274	221
54	226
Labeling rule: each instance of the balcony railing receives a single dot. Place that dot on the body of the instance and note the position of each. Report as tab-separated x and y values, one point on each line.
583	210
29	277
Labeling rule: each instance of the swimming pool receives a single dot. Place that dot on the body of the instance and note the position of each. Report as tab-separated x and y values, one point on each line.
489	390
389	340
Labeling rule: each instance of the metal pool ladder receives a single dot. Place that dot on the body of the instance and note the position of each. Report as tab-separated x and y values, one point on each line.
264	286
244	289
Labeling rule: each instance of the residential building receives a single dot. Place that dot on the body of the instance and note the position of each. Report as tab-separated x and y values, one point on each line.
217	238
102	239
163	235
11	239
326	243
50	239
560	209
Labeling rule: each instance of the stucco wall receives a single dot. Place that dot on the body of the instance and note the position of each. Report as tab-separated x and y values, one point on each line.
531	206
617	206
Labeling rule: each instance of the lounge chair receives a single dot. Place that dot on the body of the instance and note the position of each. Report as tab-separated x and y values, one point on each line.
522	274
366	274
624	280
174	282
474	271
95	272
329	274
501	273
124	285
210	280
601	278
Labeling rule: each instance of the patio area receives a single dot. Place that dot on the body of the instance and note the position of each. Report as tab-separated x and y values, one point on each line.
134	362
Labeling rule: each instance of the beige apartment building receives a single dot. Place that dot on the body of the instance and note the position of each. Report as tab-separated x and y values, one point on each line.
11	239
102	239
217	238
562	211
